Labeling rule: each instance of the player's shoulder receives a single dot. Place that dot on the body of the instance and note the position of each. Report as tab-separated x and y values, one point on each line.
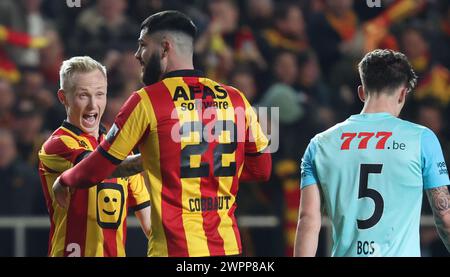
228	88
411	127
137	95
134	101
155	92
233	92
330	132
158	87
59	141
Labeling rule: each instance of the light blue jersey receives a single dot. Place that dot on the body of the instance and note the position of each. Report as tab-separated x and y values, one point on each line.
371	170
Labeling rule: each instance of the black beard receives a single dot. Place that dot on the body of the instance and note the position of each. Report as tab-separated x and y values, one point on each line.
152	70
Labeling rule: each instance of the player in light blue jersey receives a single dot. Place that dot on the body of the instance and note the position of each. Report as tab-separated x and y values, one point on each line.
368	172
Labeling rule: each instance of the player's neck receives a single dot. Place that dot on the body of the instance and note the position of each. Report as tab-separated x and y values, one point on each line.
181	67
380	106
179	64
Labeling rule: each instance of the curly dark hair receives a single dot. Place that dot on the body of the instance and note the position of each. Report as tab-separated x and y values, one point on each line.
384	70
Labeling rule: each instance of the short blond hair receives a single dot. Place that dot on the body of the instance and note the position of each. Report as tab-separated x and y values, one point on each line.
80	64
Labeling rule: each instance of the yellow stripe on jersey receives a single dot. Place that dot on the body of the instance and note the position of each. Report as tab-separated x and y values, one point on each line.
54	162
256	133
157	244
132	130
138	189
193	223
119	242
225	228
74	144
59	218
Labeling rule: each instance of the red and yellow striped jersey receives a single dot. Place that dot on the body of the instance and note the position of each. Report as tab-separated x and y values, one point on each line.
193	134
95	222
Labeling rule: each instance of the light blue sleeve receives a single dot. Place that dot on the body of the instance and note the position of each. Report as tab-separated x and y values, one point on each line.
308	171
434	169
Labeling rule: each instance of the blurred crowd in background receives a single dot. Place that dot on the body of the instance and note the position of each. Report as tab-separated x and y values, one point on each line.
298	55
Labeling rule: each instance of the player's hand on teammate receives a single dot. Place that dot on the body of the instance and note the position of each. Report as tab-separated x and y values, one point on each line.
61	193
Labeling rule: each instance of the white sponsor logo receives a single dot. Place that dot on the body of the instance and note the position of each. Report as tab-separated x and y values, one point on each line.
73	3
373	3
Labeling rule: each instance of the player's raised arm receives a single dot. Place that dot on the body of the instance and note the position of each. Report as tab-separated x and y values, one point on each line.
440	204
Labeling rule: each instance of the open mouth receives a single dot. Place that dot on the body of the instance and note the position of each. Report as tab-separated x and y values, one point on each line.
109	213
90	118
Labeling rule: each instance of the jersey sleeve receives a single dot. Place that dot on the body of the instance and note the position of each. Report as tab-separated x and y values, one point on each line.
308	170
255	139
61	153
130	126
434	169
138	196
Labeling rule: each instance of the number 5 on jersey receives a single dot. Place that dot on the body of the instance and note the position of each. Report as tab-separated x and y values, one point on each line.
365	191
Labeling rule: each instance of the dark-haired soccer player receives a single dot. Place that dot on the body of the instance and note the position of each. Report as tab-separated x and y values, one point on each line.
94	223
369	172
197	137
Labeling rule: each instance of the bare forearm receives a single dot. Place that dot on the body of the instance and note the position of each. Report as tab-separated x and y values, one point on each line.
444	233
307	238
132	165
144	216
440	203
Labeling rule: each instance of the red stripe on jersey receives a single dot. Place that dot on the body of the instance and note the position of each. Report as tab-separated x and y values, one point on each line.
127	109
131	201
209	186
235	226
237	102
124	228
109	242
77	220
48	202
170	153
56	146
94	142
61	131
239	156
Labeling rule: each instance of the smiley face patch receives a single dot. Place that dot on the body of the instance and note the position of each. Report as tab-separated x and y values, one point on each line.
110	203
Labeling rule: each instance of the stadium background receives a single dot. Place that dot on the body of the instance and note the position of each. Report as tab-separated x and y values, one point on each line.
298	55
